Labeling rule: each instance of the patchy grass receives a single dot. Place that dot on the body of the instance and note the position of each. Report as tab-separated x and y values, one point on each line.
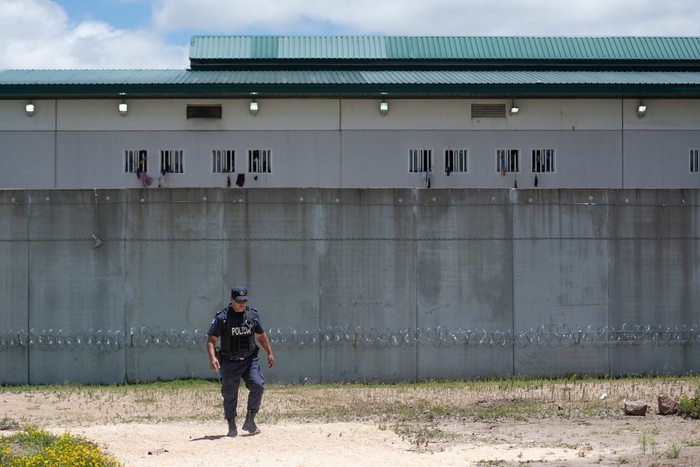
512	399
411	410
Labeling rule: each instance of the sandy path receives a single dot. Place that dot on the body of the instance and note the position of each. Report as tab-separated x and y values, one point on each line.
358	444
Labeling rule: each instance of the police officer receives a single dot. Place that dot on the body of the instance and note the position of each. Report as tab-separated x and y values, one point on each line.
238	327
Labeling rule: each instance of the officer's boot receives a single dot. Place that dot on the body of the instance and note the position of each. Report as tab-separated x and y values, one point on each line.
232	430
249	424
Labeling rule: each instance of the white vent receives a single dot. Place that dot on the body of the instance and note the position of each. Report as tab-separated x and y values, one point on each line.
488	111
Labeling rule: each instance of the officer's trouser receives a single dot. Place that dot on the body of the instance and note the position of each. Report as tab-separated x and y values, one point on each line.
232	372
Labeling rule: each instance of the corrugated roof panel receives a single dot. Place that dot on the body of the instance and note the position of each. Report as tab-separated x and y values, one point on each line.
167	77
631	48
529	77
444	47
507	47
39	84
331	47
261	47
666	48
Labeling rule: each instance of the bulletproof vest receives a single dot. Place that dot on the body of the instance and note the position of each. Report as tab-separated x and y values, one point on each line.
238	341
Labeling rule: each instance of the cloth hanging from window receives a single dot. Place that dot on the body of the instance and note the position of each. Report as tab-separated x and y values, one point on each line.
145	179
426	178
240	179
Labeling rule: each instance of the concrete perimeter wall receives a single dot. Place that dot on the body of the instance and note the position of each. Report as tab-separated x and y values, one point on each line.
352	284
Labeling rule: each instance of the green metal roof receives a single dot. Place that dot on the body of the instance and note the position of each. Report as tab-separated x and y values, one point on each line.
444	48
360	66
360	83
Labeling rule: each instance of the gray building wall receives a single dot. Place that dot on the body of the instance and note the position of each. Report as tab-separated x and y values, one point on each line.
341	143
351	284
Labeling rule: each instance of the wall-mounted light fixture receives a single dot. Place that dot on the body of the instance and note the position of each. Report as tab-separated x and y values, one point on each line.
254	107
641	109
383	108
123	108
29	108
514	109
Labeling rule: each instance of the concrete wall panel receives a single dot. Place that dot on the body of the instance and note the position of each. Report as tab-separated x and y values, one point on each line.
80	287
14	283
385	284
561	280
174	282
464	274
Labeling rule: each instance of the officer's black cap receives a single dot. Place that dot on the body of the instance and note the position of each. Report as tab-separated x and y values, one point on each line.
239	293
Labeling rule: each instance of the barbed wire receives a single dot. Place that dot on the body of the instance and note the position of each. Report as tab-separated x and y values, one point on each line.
559	336
356	239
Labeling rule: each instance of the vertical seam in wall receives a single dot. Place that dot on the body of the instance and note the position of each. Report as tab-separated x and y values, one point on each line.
127	345
607	312
512	285
415	278
29	293
319	207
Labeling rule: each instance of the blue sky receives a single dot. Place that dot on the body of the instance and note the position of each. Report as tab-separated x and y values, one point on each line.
48	34
121	14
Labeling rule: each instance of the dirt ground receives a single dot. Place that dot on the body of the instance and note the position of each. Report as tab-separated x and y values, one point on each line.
181	428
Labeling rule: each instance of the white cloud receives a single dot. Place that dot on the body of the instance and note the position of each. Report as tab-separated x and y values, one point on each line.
22	20
431	17
38	34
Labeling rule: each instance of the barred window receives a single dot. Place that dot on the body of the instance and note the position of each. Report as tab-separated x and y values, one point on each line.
695	161
542	160
260	161
172	161
132	157
223	161
507	161
456	160
420	160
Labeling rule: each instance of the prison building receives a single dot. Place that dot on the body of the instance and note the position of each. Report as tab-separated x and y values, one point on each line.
365	112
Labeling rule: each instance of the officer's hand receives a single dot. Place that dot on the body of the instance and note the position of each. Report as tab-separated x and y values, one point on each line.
214	365
270	361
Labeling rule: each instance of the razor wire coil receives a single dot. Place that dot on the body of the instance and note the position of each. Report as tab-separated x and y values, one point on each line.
560	336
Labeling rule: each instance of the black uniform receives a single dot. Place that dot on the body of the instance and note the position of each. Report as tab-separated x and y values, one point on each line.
238	357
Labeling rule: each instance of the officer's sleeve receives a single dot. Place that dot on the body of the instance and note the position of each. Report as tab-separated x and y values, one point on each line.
257	329
215	327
